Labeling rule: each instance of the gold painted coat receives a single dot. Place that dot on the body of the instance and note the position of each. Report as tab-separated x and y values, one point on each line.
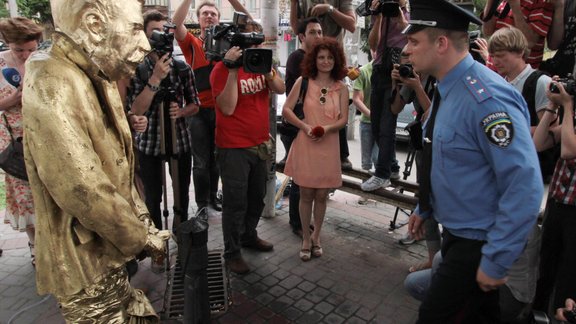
79	160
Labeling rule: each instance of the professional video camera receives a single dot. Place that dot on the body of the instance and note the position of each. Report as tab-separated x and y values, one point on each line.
569	84
163	42
220	38
388	8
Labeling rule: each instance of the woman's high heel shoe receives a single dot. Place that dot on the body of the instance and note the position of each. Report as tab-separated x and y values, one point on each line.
316	250
305	255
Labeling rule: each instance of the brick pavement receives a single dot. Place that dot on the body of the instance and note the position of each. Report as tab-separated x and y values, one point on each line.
359	279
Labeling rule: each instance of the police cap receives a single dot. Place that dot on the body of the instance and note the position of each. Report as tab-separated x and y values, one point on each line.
439	14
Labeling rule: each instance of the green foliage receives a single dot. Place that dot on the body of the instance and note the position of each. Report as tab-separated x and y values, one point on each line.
4	13
36	9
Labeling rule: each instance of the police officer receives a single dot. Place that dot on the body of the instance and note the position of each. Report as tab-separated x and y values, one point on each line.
481	179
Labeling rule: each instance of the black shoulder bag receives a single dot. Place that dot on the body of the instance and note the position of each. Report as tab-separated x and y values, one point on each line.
12	158
287	129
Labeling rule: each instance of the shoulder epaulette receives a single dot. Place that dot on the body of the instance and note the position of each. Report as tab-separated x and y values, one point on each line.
476	88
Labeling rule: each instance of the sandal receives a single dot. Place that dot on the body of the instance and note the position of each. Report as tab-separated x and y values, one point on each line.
305	255
316	250
32	256
419	267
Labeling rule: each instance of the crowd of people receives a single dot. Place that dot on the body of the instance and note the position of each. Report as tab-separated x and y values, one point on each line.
488	135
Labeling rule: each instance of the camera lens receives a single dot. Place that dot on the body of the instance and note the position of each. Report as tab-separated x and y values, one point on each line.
406	71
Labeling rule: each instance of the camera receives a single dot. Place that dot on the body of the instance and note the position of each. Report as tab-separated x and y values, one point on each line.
473	35
388	8
220	38
163	42
568	83
406	70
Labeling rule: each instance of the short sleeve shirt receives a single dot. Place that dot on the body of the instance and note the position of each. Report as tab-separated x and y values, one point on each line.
329	26
362	83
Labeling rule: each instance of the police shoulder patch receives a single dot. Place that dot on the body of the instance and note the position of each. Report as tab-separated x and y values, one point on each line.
498	128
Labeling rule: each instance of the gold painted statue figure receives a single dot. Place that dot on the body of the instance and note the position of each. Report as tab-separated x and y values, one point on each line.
78	149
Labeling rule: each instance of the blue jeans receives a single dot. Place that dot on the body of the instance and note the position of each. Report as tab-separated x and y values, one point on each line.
368	146
418	282
205	174
244	177
383	122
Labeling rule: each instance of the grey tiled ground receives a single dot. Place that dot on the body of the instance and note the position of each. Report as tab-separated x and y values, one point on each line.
359	279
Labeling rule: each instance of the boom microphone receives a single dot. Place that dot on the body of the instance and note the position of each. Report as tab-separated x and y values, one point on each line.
12	76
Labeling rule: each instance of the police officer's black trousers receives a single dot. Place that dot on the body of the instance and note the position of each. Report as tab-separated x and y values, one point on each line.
454	295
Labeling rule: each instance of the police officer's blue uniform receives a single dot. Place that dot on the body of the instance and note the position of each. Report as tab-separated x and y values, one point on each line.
484	186
485	180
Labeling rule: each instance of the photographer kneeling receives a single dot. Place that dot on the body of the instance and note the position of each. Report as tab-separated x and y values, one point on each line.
243	148
557	261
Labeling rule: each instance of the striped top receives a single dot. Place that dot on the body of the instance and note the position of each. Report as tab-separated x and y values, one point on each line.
538	14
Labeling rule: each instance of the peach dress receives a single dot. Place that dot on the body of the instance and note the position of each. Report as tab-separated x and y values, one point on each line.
316	164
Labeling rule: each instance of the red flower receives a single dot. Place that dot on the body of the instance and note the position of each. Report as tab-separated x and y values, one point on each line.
318	131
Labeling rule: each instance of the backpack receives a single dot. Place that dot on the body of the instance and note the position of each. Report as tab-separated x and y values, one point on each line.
549	157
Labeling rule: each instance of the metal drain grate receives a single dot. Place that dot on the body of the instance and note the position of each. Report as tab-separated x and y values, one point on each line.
217	287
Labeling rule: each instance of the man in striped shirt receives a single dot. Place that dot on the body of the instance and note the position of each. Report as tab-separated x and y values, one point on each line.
532	17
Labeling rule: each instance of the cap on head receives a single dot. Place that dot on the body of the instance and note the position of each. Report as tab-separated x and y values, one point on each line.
439	14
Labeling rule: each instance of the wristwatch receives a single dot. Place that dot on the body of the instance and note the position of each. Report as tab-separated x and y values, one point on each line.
331	9
153	88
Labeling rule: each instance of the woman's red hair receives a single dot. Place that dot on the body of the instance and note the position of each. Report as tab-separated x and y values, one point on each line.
309	68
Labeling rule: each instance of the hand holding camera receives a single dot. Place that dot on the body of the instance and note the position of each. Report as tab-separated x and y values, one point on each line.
403	74
161	69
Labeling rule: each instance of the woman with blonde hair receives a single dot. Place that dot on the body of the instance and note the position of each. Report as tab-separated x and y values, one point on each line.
314	158
22	36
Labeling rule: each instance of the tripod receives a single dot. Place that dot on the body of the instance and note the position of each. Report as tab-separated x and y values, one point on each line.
405	174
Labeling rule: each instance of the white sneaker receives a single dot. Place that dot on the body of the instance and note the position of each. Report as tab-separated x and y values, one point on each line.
395	175
374	183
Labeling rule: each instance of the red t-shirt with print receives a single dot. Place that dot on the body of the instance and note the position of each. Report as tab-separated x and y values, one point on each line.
249	124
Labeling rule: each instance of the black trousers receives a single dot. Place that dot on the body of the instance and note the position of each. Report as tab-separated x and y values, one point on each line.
454	295
205	173
151	174
244	177
294	197
557	257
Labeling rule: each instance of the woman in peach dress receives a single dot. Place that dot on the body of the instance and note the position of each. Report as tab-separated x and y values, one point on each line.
22	36
314	158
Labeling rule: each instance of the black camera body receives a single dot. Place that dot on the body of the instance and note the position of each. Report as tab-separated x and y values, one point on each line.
569	84
163	42
220	38
388	8
406	70
473	35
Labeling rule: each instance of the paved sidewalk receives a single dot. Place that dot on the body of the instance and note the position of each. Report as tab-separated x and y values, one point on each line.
359	279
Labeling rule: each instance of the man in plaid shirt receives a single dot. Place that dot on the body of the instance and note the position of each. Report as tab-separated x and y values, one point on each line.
145	97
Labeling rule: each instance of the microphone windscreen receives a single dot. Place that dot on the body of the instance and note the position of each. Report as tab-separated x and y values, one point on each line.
12	76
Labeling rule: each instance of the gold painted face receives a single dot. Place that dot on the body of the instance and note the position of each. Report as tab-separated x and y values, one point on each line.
124	44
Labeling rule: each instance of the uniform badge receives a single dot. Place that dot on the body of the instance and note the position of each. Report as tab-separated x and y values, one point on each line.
498	128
